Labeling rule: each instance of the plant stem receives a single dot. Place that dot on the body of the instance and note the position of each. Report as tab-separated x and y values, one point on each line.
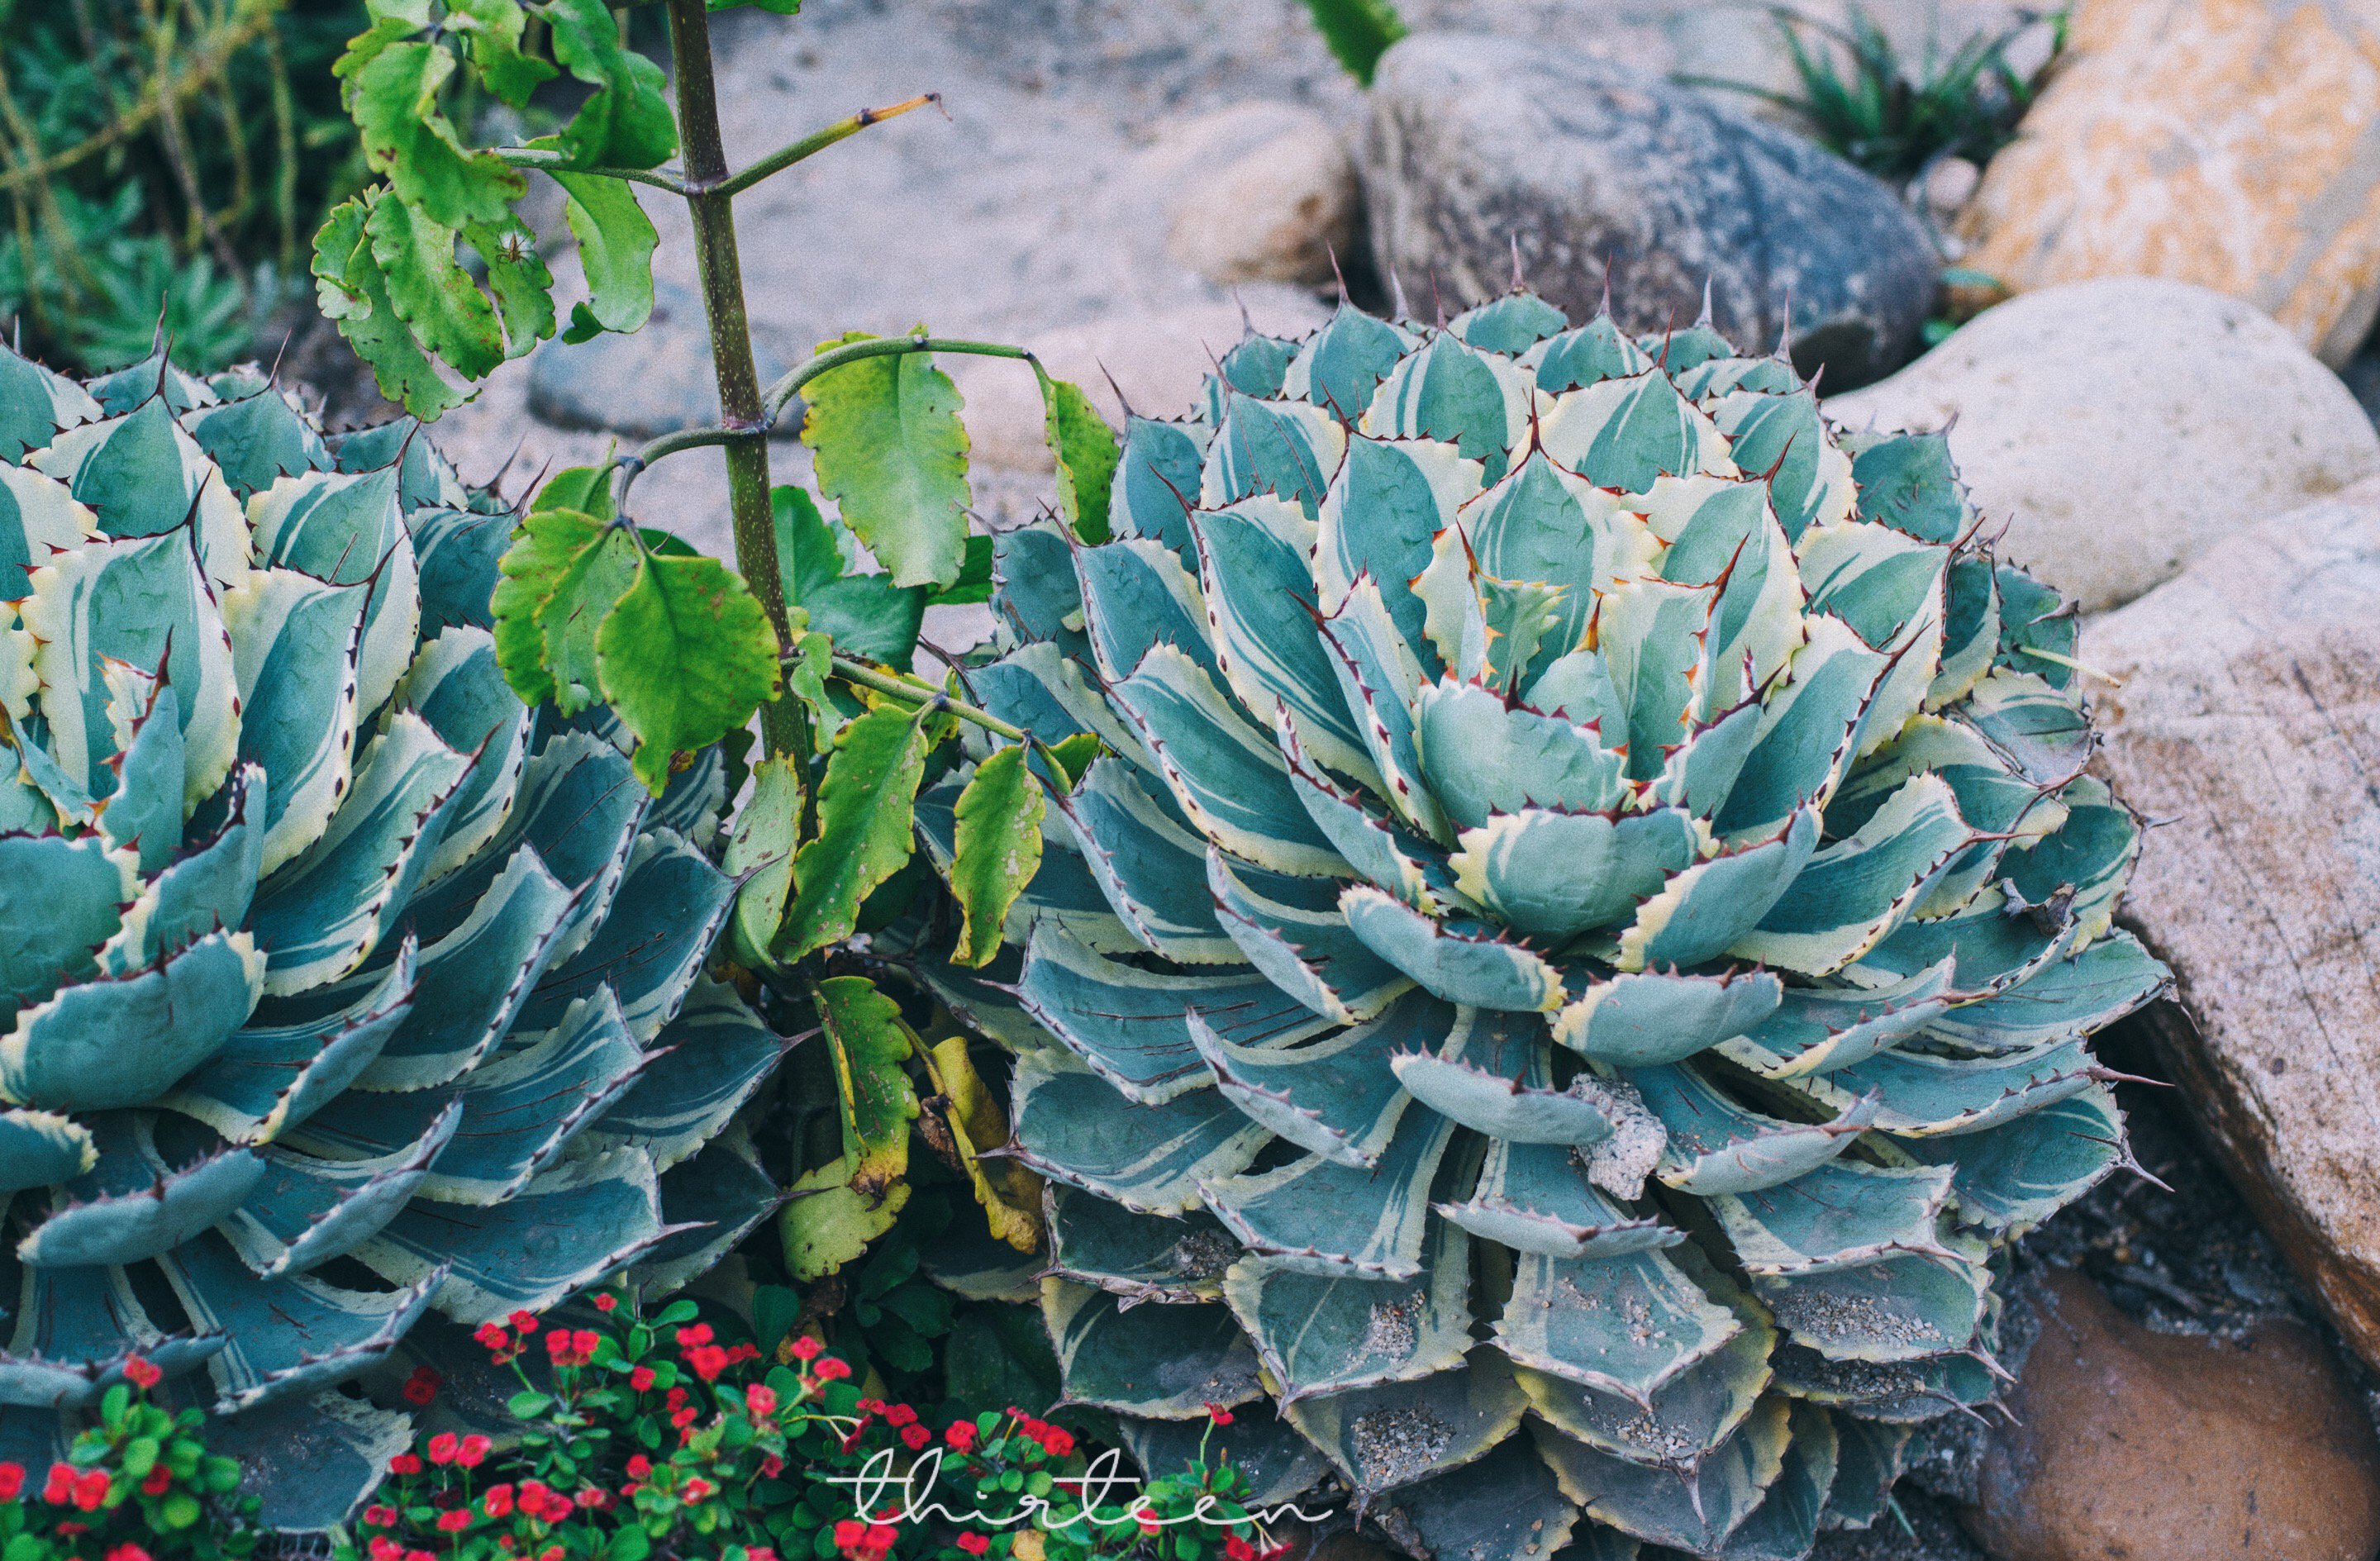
783	722
784	390
819	140
546	160
919	691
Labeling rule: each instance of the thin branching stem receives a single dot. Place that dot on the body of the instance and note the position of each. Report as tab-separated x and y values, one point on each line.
819	140
547	161
917	691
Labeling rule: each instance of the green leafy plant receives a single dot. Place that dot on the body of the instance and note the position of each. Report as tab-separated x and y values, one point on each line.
1863	100
594	610
638	1436
1358	32
341	986
1585	913
139	1484
163	158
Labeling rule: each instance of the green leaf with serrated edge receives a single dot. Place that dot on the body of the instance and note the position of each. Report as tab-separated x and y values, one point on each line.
625	122
1358	32
352	291
828	1224
1085	450
685	655
762	852
892	453
434	295
407	137
999	849
493	29
870	1046
615	250
586	489
518	280
548	542
864	810
974	584
586	589
867	615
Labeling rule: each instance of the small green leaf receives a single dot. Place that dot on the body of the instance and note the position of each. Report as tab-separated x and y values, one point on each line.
866	614
1086	453
521	286
625	122
865	809
434	297
998	850
615	250
892	453
870	1046
354	292
974	584
686	655
586	489
544	547
529	1406
1358	32
762	852
407	137
493	29
585	592
1075	755
826	1224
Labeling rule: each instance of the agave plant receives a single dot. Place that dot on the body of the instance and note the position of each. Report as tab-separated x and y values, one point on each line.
1574	952
338	985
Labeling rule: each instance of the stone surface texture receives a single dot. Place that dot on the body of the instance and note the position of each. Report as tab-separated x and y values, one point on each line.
1479	144
1256	192
2247	724
2127	1443
2234	143
2122	427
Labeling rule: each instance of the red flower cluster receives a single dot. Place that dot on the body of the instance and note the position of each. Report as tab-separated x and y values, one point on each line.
468	1452
143	1373
422	1387
568	1349
864	1542
12	1480
84	1489
1054	1440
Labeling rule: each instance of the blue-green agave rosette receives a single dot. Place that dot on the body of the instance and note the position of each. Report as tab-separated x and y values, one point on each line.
1576	947
336	986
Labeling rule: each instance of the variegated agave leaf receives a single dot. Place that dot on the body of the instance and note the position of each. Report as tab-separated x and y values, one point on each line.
335	986
1588	911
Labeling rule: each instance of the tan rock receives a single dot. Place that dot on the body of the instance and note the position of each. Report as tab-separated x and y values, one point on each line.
2122	427
2247	724
1256	192
2234	143
2133	1444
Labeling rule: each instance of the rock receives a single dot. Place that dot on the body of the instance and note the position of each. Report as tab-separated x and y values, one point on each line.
2222	143
1948	186
1259	191
2124	427
2129	1443
654	381
1478	143
2248	723
1159	357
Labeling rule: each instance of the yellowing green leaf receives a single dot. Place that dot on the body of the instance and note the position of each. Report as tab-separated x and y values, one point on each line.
864	811
686	655
826	1224
584	594
1086	453
870	1046
998	849
1010	1194
892	453
544	547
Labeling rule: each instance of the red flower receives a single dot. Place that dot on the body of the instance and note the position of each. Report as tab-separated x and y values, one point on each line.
698	1334
584	1341
128	1552
1147	1520
833	1370
58	1489
849	1533
551	1553
420	1555
961	1436
699	1489
1057	1441
639	1466
880	1538
806	1347
385	1549
760	1553
1218	1414
142	1373
12	1480
641	1378
592	1496
707	1360
443	1448
453	1522
492	1334
160	1481
422	1385
974	1543
498	1501
677	1398
915	1437
404	1463
533	1498
91	1489
759	1400
771	1466
899	1415
1238	1549
605	1303
683	1418
523	1324
474	1450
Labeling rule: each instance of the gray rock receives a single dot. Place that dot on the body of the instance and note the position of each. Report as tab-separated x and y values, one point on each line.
2122	427
653	382
1478	143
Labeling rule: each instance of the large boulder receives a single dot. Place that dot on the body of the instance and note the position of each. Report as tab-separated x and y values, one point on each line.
2120	428
2120	1441
2246	724
1482	144
1256	192
2217	142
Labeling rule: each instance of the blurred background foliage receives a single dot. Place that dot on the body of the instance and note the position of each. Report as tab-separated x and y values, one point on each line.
181	151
